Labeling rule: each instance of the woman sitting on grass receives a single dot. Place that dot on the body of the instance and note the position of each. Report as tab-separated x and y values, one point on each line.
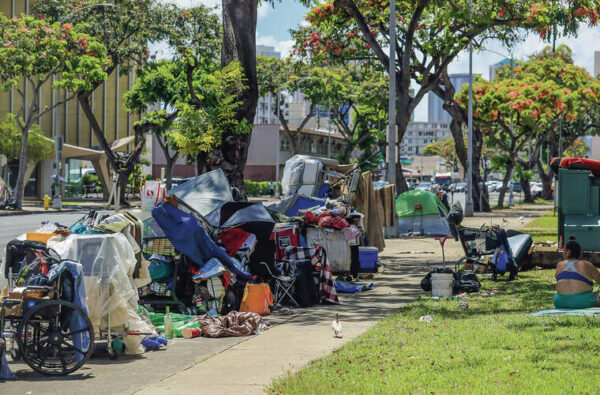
574	280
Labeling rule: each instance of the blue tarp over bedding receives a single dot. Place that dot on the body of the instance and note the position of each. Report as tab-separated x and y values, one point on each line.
189	237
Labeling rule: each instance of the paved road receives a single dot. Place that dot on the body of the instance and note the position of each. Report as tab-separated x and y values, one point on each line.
15	225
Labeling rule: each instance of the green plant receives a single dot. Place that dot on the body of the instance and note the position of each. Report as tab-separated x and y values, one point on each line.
258	188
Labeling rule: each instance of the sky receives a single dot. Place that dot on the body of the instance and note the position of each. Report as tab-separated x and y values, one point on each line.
274	24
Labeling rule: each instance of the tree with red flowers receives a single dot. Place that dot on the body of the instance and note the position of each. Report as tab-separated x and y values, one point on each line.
32	51
518	115
429	37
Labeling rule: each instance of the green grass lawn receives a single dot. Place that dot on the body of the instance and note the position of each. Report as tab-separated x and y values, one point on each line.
544	228
546	221
492	347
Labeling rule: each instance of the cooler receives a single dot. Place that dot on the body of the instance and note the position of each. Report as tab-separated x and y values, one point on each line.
285	235
367	257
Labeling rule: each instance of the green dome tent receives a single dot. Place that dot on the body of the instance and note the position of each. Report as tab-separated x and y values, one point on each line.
421	212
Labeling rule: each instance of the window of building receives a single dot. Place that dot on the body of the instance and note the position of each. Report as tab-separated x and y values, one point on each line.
285	144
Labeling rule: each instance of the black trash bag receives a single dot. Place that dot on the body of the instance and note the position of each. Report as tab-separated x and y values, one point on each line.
233	297
455	215
426	281
465	282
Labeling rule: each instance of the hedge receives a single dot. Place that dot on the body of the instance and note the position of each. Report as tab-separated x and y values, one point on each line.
260	188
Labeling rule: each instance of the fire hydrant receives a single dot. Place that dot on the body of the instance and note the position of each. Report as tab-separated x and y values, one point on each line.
47	201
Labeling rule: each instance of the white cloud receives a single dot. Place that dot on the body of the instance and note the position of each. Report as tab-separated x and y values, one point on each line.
284	47
264	9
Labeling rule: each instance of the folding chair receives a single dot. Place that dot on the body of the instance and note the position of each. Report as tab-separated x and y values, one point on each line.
283	287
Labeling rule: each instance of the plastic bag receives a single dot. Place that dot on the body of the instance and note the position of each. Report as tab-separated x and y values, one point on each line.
152	194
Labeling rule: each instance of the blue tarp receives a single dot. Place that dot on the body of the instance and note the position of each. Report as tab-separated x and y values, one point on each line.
189	237
290	205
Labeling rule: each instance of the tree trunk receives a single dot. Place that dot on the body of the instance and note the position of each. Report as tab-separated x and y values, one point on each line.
239	44
526	191
402	120
20	185
458	120
546	180
505	180
169	170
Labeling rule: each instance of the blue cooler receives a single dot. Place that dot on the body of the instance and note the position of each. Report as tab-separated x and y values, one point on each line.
367	257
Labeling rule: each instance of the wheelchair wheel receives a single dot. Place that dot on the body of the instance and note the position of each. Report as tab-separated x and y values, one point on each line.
55	338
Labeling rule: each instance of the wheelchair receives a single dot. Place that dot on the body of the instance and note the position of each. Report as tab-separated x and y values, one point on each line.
40	323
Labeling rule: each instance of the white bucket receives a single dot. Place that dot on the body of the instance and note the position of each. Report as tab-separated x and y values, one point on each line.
441	284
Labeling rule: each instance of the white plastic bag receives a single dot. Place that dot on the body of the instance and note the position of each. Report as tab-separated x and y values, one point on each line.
152	194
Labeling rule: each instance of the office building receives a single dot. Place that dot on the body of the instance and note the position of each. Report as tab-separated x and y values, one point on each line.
266	108
436	112
82	151
596	64
419	134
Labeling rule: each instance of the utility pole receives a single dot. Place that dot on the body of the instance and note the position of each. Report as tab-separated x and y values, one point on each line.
469	193
392	128
278	145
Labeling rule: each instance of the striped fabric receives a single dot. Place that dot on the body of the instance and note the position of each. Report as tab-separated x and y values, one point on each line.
318	258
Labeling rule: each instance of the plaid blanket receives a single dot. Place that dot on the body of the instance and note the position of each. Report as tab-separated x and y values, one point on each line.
318	257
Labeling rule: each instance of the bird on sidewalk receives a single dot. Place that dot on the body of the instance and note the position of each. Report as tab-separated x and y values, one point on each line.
521	220
336	325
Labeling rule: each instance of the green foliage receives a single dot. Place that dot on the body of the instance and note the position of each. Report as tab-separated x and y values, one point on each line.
522	174
546	95
200	128
258	188
90	178
577	149
38	147
433	149
36	49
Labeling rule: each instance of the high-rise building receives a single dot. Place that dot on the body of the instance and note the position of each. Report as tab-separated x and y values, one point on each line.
107	104
436	112
420	134
266	108
596	64
268	51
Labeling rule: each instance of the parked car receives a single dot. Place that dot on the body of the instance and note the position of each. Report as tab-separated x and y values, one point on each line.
516	186
460	187
493	186
536	189
426	185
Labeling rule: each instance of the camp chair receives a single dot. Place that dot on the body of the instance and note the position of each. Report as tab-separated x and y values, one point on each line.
283	287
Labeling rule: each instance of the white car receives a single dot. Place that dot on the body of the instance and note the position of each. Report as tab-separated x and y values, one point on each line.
536	188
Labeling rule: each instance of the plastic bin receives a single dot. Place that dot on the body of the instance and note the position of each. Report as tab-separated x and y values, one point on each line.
41	237
367	257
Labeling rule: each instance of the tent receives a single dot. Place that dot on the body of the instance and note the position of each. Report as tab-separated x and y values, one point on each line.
204	193
421	212
251	217
290	205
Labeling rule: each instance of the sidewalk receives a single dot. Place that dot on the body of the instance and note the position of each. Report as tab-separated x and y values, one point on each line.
285	348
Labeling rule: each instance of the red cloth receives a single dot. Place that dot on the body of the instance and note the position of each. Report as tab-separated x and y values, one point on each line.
233	239
310	218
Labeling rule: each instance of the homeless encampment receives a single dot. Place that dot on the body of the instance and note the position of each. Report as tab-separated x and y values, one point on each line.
421	213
